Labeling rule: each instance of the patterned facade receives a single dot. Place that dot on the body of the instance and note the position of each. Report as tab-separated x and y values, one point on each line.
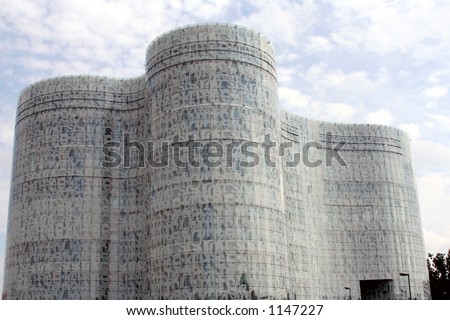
80	229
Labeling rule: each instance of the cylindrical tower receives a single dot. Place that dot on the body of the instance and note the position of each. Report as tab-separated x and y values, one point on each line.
64	204
372	217
216	221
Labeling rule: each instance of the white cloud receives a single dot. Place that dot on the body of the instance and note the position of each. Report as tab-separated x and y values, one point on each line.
202	8
286	75
282	21
430	155
8	72
322	77
435	241
295	101
284	57
439	121
433	79
381	116
437	75
336	111
2	267
318	44
7	113
414	27
435	92
4	196
71	31
437	125
434	195
412	129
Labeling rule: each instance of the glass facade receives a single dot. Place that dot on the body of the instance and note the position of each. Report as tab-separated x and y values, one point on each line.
191	228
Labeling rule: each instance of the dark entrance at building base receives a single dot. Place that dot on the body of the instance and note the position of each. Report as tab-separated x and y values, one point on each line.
377	289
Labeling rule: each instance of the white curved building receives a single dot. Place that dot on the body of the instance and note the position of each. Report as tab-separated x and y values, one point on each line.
189	182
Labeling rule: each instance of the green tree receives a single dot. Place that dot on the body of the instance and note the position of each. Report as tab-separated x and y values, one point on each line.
439	273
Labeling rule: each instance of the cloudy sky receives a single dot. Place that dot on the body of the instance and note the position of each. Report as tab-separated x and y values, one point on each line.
384	62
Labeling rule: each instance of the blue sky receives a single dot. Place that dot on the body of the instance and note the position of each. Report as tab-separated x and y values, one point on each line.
380	61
